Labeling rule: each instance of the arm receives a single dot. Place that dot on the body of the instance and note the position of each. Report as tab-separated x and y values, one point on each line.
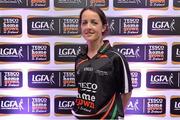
123	78
125	99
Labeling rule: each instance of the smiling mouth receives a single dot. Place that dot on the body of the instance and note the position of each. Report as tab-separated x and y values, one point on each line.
89	34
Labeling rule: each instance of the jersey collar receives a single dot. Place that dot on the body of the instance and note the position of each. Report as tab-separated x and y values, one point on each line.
102	49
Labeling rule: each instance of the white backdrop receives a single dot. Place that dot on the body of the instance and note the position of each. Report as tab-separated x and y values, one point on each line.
142	67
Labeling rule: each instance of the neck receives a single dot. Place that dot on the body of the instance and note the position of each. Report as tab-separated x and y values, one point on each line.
93	47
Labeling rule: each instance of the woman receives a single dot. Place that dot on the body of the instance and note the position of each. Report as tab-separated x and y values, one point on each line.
102	74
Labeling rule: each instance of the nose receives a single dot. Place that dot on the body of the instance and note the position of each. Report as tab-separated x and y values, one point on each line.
89	25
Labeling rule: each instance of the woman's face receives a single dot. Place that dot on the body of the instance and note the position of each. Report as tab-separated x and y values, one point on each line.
91	26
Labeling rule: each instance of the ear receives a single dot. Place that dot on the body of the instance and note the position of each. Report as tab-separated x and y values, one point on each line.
104	28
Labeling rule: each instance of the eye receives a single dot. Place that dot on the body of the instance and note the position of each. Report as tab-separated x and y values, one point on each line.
84	22
94	22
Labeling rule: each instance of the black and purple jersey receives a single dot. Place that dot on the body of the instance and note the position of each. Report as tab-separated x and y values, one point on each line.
100	82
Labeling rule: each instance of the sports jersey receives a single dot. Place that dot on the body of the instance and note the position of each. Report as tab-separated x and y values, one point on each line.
100	82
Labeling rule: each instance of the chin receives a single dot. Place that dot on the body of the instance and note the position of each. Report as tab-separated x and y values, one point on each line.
89	39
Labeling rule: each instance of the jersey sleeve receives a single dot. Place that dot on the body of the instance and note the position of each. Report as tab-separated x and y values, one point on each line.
122	74
76	70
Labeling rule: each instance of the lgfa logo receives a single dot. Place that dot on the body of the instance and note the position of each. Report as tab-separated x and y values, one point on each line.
133	105
177	52
162	79
12	104
43	78
177	105
111	25
69	51
138	1
164	25
66	104
19	1
130	52
43	25
11	52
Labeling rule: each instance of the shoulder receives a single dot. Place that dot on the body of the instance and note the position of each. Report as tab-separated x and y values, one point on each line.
79	57
114	54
